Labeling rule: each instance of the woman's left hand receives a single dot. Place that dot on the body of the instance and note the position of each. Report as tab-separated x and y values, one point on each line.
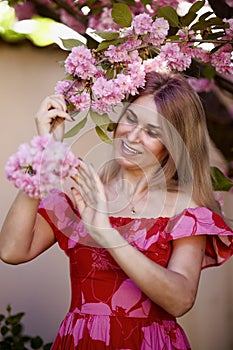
90	199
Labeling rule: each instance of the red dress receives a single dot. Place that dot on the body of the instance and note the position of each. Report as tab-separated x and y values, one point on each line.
108	311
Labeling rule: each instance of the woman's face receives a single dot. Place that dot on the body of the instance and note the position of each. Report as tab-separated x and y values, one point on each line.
137	141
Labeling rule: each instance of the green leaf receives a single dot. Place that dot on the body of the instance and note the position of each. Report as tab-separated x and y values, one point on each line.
108	35
75	130
8	308
105	44
213	36
200	26
188	18
111	126
219	180
216	48
26	338
214	21
146	2
169	14
14	319
102	135
70	43
95	10
121	14
208	71
206	24
36	342
47	346
4	330
205	15
110	73
100	120
129	2
17	329
2	317
197	6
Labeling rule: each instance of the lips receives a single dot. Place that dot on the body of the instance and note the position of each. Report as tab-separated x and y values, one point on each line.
129	150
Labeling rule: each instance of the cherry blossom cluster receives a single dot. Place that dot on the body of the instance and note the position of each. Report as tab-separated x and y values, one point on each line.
72	15
89	84
100	79
41	165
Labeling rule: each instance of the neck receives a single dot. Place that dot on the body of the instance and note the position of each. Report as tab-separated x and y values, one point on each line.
131	183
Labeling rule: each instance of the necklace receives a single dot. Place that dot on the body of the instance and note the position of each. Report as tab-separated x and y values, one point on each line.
132	206
126	197
132	210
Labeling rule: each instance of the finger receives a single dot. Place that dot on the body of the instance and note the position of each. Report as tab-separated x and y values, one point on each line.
57	113
86	189
78	200
55	101
88	194
98	190
87	178
98	183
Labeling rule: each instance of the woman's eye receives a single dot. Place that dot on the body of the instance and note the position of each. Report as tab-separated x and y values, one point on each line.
131	118
152	133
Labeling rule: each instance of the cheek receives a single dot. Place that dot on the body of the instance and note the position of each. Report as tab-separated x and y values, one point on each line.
159	150
121	129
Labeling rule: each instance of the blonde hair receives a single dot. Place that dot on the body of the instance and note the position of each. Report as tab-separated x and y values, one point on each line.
184	135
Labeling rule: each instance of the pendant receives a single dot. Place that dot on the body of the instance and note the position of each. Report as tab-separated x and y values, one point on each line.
133	211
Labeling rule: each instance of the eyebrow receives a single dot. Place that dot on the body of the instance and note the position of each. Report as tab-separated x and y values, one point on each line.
150	125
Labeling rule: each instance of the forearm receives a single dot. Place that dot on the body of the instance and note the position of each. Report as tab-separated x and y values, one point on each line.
17	230
167	288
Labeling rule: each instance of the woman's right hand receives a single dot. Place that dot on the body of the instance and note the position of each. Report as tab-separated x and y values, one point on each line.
51	116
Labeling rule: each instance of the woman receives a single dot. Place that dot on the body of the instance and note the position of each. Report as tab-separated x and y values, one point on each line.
139	233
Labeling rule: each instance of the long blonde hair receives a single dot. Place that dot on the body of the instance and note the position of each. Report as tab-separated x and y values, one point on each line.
184	135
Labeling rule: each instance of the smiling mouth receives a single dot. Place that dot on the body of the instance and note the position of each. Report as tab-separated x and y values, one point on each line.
128	149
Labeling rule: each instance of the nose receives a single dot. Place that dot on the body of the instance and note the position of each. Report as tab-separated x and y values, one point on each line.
134	134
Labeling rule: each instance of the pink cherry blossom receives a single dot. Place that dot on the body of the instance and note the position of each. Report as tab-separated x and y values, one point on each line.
155	64
229	31
102	87
81	101
162	3
123	82
101	106
142	23
175	58
81	62
201	84
62	86
38	167
229	2
102	22
158	31
221	60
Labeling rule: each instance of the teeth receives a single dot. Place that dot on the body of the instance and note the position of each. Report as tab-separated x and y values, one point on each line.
130	149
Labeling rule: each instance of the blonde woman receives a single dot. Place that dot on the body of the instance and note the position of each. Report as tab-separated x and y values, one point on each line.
138	233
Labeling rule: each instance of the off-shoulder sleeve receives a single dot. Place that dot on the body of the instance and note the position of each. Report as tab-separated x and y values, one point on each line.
202	221
64	219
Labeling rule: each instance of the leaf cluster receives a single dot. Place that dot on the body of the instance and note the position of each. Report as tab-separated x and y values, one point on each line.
220	181
12	335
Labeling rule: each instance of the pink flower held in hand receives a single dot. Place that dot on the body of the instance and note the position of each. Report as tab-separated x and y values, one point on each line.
40	166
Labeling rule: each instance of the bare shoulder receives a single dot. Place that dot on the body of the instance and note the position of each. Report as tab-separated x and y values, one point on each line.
178	201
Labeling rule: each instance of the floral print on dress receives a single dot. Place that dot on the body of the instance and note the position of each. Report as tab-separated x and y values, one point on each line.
108	311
